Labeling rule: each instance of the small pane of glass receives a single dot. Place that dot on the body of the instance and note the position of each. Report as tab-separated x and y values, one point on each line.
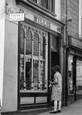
48	4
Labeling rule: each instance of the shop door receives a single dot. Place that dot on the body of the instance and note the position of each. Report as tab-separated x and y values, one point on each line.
72	76
54	61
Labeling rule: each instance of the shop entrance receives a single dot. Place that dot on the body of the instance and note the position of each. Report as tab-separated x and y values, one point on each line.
54	61
74	76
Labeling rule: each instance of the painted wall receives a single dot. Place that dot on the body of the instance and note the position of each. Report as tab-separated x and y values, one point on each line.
9	100
2	32
73	13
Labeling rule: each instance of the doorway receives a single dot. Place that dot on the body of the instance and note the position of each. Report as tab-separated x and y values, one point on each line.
54	61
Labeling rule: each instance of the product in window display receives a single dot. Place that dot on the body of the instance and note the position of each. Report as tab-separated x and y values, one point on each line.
21	72
36	45
45	84
28	77
21	81
42	74
70	82
35	76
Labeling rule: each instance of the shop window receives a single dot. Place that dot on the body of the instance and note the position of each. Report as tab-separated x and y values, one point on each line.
78	76
33	58
70	74
54	42
48	4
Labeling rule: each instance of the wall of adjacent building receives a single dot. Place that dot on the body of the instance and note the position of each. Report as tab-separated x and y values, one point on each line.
72	13
80	18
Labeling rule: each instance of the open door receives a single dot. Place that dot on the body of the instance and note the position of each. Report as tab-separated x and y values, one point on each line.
54	61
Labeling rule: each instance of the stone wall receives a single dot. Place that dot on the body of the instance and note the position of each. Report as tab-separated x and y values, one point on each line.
73	13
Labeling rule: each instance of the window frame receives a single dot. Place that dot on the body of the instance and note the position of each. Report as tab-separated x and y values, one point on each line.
50	8
46	43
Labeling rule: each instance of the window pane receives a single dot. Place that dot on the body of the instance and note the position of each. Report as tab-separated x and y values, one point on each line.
36	44
43	3
35	75
21	58
53	6
78	76
24	74
70	74
48	4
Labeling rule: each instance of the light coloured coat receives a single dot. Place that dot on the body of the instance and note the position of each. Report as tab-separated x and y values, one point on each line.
57	87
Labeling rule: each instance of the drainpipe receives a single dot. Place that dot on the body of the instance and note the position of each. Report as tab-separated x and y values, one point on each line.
68	19
65	57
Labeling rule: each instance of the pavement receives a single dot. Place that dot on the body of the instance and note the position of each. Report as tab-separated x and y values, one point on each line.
73	109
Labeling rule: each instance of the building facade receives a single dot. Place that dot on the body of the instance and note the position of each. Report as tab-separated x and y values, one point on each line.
73	51
33	46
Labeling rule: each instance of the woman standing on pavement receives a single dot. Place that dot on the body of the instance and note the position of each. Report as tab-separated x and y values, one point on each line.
56	90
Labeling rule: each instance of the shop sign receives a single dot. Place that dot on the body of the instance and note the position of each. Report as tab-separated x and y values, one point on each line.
47	24
75	42
42	21
17	17
15	14
18	14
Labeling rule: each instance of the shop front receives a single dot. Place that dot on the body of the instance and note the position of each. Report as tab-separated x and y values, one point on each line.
31	51
39	50
74	70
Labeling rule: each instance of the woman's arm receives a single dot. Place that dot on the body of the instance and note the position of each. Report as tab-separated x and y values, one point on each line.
53	83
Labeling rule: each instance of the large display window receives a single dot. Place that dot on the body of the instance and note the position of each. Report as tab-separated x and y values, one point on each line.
78	76
33	59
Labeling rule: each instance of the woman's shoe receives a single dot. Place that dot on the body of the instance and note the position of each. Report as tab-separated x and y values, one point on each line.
59	111
53	112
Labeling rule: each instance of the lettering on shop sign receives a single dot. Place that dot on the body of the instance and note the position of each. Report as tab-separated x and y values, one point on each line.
42	22
47	24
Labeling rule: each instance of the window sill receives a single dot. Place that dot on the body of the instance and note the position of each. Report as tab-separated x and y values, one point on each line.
33	91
